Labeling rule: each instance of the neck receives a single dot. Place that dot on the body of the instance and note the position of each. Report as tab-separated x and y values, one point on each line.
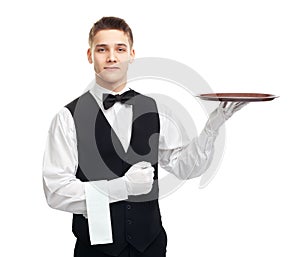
116	87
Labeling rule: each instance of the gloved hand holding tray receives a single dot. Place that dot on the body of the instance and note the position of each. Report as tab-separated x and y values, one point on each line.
229	104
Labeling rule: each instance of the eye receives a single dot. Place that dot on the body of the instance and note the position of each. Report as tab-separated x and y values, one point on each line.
121	49
100	50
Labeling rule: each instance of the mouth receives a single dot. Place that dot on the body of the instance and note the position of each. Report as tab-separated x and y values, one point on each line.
111	68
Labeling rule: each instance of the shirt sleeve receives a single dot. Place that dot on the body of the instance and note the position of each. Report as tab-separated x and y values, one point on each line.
181	155
62	189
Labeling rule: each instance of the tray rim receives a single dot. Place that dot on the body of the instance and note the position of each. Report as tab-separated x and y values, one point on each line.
230	97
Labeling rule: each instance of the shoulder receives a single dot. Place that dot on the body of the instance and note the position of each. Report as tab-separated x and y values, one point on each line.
72	105
62	121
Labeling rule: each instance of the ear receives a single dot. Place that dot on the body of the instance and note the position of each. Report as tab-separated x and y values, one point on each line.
89	56
132	55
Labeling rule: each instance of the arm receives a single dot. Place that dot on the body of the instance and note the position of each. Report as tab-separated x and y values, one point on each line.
189	159
62	189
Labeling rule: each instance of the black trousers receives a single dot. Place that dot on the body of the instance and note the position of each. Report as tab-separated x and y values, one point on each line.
158	248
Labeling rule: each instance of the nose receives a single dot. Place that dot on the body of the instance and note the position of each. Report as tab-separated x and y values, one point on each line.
111	57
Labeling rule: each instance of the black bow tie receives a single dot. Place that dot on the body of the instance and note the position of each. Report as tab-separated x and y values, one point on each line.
109	100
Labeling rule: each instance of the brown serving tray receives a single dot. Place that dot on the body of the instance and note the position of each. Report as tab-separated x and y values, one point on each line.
237	97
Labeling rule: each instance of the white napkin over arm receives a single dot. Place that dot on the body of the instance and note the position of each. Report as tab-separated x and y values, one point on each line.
98	212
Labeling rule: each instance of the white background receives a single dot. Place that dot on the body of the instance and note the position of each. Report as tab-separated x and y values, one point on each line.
250	208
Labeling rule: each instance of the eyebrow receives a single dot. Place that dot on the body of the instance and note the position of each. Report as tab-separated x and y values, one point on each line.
118	44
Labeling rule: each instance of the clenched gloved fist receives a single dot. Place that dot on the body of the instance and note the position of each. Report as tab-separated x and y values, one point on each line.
139	178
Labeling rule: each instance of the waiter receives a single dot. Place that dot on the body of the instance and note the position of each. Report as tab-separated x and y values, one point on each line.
103	150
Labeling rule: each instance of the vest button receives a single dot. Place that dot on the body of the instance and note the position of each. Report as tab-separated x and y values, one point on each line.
129	222
128	206
129	237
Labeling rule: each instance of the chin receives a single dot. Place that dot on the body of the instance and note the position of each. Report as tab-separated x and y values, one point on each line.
114	81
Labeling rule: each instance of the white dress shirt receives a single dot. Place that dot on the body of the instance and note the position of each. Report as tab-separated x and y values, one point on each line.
177	154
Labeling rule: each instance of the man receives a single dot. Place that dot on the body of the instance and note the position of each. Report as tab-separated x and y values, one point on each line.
98	163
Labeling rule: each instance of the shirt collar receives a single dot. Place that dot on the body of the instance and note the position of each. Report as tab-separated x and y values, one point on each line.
98	91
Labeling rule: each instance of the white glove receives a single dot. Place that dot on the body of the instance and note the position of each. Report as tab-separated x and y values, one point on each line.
218	117
139	178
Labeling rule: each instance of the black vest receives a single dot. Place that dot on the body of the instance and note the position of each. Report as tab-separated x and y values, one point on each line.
101	156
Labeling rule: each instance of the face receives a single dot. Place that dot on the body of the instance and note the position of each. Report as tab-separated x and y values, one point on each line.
111	54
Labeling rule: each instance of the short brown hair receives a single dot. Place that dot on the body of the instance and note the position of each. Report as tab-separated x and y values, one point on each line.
110	23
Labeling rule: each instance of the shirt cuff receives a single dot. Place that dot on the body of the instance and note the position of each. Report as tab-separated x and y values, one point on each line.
117	190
